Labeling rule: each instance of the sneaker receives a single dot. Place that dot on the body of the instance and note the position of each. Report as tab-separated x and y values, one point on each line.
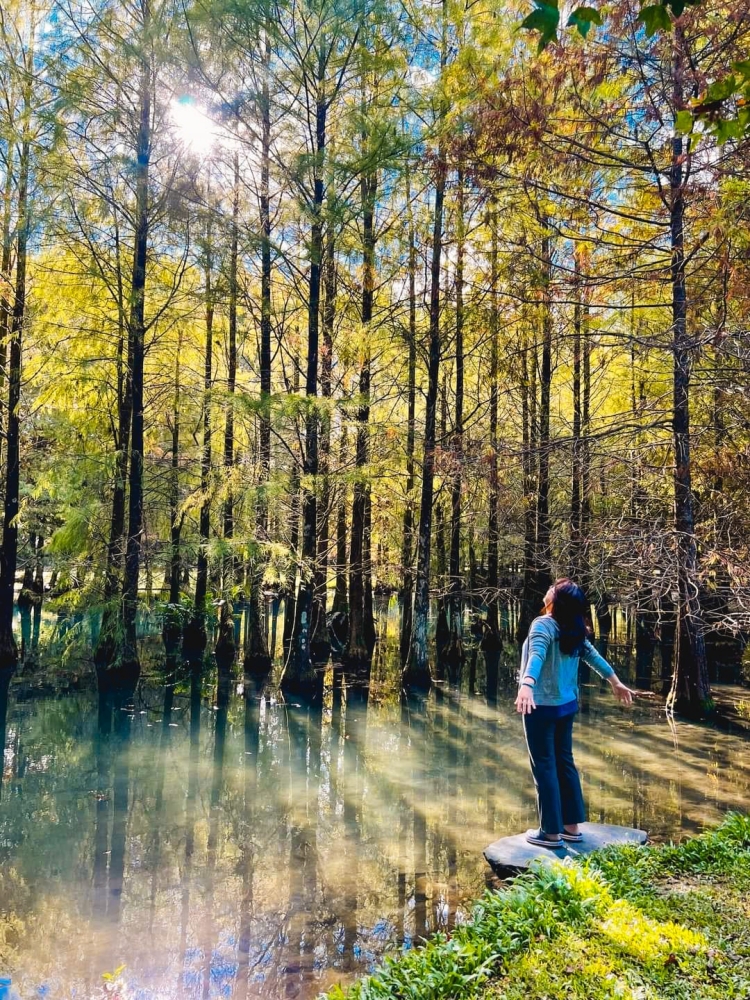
572	838
537	837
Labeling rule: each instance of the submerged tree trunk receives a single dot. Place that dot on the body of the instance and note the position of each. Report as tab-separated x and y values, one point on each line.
691	691
9	551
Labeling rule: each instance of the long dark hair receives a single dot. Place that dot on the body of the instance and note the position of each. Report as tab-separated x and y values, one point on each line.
568	609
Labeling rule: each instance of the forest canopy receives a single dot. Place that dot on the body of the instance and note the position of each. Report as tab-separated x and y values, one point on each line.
325	299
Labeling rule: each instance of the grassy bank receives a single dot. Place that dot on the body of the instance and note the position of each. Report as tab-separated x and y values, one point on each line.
667	922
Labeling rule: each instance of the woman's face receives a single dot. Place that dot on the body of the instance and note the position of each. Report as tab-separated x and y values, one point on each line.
549	601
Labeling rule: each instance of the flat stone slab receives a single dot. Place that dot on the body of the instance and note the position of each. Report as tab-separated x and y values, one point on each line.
513	854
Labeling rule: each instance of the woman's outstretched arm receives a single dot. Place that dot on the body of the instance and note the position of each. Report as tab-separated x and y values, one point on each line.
597	662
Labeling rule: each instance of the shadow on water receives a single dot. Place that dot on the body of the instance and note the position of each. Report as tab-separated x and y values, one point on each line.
216	840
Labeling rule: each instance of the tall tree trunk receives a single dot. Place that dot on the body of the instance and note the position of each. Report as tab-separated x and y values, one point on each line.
290	603
172	628
442	627
407	545
326	386
544	554
9	551
257	660
194	640
230	563
106	648
491	642
129	660
528	411
300	674
493	576
691	691
416	673
634	452
340	603
369	603
723	647
575	561
456	653
174	488
585	451
6	257
361	637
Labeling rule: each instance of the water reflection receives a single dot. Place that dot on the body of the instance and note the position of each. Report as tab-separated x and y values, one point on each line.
218	842
5	676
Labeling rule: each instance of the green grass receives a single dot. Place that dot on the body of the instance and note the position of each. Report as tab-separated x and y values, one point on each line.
655	923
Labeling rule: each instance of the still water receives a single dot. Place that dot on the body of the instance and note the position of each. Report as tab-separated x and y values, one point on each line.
221	844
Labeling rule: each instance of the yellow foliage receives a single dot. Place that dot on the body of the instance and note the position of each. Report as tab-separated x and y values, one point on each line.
628	929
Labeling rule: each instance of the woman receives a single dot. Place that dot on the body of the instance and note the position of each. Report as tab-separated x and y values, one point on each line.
548	700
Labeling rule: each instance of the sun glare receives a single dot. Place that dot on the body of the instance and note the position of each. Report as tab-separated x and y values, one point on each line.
195	130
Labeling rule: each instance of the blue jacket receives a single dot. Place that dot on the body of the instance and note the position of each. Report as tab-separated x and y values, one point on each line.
555	673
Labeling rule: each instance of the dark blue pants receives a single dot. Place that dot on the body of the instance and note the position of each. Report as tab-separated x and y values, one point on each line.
558	787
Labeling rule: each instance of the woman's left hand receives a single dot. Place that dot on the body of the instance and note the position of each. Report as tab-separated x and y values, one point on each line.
621	691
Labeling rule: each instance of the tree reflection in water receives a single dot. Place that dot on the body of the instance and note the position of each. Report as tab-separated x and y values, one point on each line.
5	676
220	842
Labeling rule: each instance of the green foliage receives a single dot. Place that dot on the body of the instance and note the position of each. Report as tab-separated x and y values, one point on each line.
633	873
577	930
502	924
683	122
724	106
583	17
655	17
545	20
681	930
176	614
73	538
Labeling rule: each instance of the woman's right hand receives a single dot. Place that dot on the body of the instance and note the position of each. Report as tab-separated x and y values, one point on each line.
525	703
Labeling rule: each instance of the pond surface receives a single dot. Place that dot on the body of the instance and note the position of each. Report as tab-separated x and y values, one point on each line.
221	845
